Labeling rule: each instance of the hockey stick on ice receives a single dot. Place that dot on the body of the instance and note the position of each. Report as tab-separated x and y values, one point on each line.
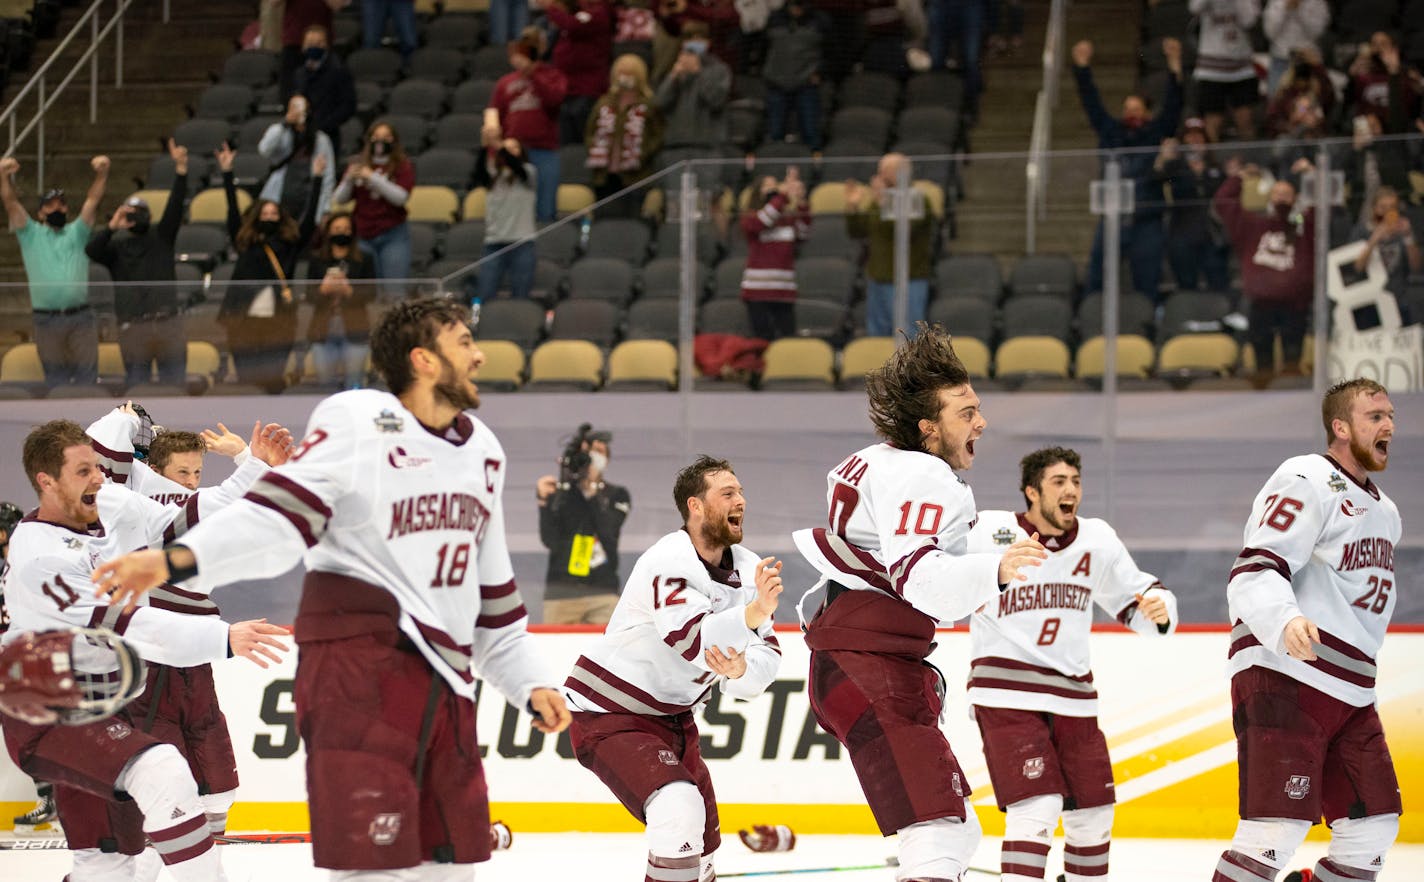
888	862
58	843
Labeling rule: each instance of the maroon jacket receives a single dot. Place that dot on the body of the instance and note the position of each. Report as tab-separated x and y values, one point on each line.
528	105
584	51
1277	257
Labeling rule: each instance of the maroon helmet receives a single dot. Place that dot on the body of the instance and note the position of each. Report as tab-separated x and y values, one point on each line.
38	683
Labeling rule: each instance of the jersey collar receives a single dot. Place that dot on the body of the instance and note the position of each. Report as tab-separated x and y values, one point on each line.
1052	543
1368	486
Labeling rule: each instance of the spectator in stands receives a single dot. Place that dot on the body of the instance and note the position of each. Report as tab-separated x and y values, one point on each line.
792	71
583	52
1387	231
136	250
259	310
507	20
1276	251
1292	26
375	14
380	181
717	20
1382	86
1226	78
340	287
512	182
66	331
1196	247
773	227
624	133
1142	238
290	146
1373	162
526	103
327	85
297	16
962	22
1306	78
693	96
865	220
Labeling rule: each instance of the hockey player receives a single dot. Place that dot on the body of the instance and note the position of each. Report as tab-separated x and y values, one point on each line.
394	502
895	562
1030	686
694	615
1310	598
81	520
180	705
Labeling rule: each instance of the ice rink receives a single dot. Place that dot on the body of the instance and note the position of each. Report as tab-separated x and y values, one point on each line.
619	856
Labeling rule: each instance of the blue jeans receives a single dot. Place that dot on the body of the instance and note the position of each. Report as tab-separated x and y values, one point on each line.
518	262
948	20
374	14
162	340
68	347
506	19
1142	242
339	360
391	251
546	195
880	307
808	113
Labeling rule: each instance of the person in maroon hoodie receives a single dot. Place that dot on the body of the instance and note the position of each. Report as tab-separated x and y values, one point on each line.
1277	254
774	227
583	52
527	103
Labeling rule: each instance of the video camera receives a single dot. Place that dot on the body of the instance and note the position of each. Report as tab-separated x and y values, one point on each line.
575	459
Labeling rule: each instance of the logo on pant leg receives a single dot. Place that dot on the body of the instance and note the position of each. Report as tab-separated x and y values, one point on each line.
385	827
1297	786
1033	768
118	731
955	784
667	757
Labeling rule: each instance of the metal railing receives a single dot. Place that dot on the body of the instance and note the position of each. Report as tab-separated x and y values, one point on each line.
1036	169
45	95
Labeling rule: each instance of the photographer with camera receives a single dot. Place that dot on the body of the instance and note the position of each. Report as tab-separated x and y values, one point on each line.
135	248
580	520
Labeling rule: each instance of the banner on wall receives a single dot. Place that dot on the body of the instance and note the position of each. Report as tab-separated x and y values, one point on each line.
1164	709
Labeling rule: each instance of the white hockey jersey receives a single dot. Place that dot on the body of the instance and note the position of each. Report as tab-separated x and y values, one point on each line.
48	585
1030	645
373	495
673	607
899	523
1321	545
112	436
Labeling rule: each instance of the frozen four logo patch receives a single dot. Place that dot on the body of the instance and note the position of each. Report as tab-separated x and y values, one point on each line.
1297	786
385	827
389	423
1004	536
1336	482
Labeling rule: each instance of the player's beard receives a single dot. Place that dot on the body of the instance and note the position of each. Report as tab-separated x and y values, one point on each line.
720	533
1366	455
455	389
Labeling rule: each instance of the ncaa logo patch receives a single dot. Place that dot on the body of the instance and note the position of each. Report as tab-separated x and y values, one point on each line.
1033	768
667	757
385	827
1297	786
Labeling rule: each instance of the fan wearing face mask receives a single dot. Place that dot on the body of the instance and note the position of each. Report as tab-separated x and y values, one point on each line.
138	248
259	310
52	247
623	134
379	180
1277	254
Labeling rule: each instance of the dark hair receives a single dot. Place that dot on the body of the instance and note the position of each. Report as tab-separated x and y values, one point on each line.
906	388
45	446
167	443
1340	398
1035	464
409	325
247	235
355	255
692	480
397	156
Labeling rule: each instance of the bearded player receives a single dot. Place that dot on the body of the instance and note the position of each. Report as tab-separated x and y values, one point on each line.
1310	599
1030	685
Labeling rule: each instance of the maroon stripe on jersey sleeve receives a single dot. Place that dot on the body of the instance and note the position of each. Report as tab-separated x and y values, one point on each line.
113	463
861	564
183	608
601	673
500	605
1255	560
1245	642
773	643
691	633
1339	673
903	566
456	655
301	507
299	523
1001	662
592	695
1127	612
186	519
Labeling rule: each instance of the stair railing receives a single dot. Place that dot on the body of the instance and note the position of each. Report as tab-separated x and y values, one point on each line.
1036	169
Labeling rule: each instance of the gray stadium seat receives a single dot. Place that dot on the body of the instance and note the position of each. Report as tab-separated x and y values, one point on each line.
1043	274
868	89
936	88
593	320
653	320
462	131
472	96
465	241
822	319
412	130
231	102
1191	312
830	279
254	68
439	64
375	65
939	125
1136	315
455	32
724	317
559	244
727	279
423	98
623	238
521	321
249	134
969	275
1037	315
202	136
445	167
964	318
870	124
601	278
662	279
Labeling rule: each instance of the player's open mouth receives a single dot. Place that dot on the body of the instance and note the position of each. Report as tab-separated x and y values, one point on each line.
88	498
735	520
969	446
1382	447
1067	507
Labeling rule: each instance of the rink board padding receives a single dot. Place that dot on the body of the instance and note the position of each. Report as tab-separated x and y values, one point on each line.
1164	707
